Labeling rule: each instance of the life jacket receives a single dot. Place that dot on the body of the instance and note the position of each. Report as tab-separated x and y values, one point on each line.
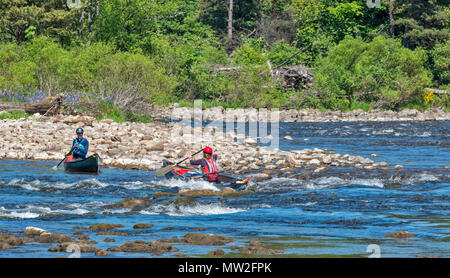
69	158
83	143
210	170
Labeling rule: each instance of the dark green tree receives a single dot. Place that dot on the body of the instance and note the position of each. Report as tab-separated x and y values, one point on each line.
420	23
51	18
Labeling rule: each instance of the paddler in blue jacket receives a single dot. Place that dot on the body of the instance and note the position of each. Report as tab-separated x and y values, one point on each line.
80	145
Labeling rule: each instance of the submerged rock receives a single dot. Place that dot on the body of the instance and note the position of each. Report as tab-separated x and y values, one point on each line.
80	246
54	238
104	227
256	247
401	234
218	252
140	246
8	240
142	226
225	192
130	203
101	253
111	233
201	239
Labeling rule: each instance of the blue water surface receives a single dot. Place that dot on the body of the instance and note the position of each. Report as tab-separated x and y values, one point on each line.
337	212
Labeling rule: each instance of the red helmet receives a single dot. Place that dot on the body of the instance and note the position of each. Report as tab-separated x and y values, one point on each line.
207	150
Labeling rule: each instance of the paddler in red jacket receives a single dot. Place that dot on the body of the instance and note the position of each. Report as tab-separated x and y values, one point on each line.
208	164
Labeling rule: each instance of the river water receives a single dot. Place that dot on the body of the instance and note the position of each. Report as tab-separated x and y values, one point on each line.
342	211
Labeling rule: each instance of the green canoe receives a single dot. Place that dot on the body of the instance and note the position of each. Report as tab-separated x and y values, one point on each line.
89	164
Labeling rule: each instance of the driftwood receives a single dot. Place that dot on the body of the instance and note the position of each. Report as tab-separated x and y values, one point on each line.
438	92
48	106
290	77
293	77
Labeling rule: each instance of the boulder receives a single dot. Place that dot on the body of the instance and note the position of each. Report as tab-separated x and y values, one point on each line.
80	246
401	234
101	253
104	227
255	247
33	231
260	177
54	238
206	239
140	246
142	226
218	252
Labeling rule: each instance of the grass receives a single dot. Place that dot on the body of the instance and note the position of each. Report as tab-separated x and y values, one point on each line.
15	115
107	110
209	104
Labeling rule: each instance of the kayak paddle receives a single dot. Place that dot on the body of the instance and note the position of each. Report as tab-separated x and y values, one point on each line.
169	168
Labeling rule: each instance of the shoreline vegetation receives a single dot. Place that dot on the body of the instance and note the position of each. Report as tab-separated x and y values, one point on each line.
119	56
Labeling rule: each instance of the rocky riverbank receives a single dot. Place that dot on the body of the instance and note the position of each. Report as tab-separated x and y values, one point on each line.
80	243
143	146
304	115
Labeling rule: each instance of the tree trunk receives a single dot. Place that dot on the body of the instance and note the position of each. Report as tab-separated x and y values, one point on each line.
391	17
230	21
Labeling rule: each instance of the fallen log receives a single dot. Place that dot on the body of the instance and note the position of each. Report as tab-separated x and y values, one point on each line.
48	106
437	92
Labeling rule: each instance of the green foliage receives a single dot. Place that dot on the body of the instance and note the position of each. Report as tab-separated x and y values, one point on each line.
440	63
21	20
108	110
15	115
129	51
280	51
421	23
381	71
15	72
250	53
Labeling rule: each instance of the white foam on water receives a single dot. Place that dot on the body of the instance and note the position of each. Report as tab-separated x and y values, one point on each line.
23	215
135	185
191	184
423	177
425	134
90	184
37	185
93	204
315	184
308	204
368	182
118	210
191	210
29	187
32	211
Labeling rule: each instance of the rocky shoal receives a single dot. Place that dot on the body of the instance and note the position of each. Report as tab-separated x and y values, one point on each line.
80	243
143	146
302	115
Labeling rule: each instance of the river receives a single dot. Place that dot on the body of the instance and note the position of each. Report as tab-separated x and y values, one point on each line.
340	212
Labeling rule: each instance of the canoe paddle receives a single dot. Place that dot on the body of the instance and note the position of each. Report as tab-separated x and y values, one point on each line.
169	168
56	167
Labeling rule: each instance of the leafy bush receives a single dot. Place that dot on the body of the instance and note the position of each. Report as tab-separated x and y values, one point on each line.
250	53
381	71
280	51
